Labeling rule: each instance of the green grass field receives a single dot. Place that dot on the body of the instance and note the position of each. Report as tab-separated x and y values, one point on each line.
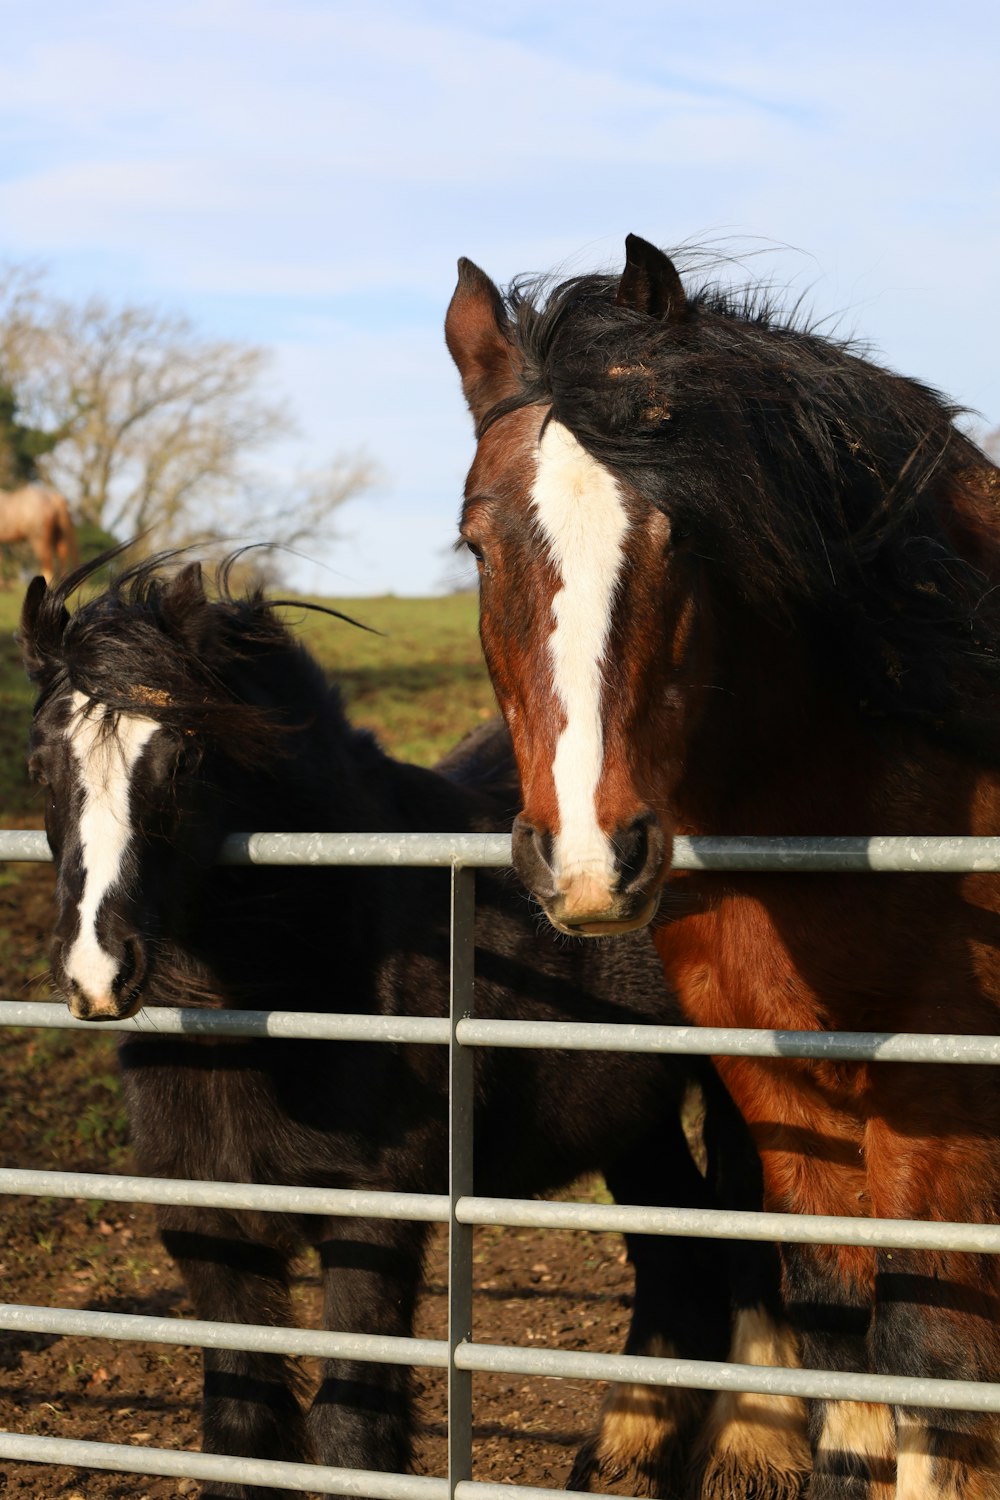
420	683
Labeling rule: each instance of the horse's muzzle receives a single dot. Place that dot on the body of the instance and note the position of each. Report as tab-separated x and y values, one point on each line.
114	1002
100	1007
588	904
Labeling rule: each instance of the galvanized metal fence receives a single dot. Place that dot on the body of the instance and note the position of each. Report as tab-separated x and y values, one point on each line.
460	1209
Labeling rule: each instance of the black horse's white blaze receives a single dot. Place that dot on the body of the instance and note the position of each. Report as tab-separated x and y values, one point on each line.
105	763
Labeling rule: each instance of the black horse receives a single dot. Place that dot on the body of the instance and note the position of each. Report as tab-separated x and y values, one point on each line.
166	720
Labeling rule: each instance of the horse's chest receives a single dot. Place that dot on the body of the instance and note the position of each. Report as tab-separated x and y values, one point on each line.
730	967
734	966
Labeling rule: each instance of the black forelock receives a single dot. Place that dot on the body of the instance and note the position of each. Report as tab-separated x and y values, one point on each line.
827	492
155	643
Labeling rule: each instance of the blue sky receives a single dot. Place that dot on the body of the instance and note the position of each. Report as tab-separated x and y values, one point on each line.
305	174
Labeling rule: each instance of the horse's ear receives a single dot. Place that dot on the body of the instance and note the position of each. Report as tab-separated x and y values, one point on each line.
185	605
187	584
650	283
478	334
39	631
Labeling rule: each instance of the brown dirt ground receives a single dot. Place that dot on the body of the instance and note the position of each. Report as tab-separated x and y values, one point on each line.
60	1106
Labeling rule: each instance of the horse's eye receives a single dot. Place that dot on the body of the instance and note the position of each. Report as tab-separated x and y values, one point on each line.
476	551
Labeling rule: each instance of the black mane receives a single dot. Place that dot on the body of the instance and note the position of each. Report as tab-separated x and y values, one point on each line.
155	643
831	495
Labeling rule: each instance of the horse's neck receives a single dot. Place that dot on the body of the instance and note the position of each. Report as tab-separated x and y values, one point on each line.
333	912
784	746
341	781
407	798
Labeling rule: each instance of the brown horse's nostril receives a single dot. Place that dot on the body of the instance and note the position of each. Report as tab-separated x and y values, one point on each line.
531	849
639	852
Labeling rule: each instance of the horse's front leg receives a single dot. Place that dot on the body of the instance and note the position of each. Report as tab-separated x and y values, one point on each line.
811	1150
937	1313
649	1435
250	1405
853	1442
362	1416
755	1446
935	1317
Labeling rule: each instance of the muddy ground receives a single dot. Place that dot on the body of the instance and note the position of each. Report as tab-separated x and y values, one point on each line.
60	1107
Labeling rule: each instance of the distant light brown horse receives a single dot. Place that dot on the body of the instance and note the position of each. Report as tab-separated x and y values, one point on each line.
39	515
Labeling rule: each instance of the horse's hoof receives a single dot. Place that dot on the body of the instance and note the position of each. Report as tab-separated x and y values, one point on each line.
644	1444
726	1478
604	1472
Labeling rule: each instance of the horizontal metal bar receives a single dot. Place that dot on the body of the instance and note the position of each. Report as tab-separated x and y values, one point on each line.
955	855
180	1464
806	1229
731	1224
186	1021
426	1208
24	844
386	1350
482	850
565	1036
201	1334
730	1041
707	1375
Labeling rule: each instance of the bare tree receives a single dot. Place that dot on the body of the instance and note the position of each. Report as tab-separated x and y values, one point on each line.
160	428
22	323
168	421
296	517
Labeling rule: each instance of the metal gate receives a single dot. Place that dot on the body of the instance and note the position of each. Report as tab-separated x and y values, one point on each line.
460	1209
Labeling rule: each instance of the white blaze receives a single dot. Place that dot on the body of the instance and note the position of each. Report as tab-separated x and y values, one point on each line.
105	762
582	516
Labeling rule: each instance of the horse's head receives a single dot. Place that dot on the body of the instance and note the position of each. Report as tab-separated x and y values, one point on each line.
124	741
585	601
710	541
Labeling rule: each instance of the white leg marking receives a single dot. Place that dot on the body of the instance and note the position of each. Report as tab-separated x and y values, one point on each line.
644	1432
582	517
914	1464
864	1431
105	761
756	1444
974	1475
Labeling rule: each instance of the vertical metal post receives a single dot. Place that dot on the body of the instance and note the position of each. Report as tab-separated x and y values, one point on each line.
460	1111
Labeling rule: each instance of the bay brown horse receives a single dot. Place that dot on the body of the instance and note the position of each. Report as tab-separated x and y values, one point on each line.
39	515
737	578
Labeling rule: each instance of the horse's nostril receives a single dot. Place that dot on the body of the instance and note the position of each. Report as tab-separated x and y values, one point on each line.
532	851
543	846
127	969
639	850
631	847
